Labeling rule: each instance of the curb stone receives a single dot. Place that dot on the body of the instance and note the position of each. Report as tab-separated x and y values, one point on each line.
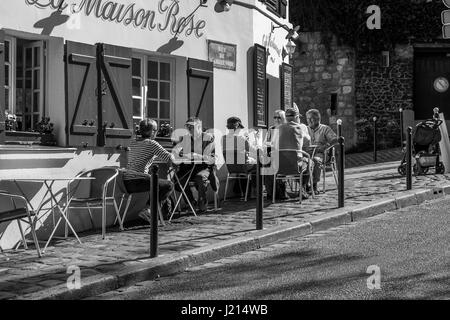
165	265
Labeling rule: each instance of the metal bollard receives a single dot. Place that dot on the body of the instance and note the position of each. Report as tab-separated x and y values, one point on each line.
341	185
259	192
154	212
401	127
374	139
409	159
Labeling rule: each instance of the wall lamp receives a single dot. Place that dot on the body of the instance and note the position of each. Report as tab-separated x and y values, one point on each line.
292	33
290	48
226	4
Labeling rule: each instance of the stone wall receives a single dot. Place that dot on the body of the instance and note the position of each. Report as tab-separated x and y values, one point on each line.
323	68
364	88
381	91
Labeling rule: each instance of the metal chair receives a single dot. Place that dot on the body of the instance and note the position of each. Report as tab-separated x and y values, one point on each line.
239	172
20	214
101	193
329	161
289	168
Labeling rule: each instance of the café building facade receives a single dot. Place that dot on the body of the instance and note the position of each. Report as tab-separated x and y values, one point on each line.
97	67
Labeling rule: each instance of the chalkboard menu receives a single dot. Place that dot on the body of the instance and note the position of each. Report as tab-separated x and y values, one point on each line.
286	78
223	55
259	87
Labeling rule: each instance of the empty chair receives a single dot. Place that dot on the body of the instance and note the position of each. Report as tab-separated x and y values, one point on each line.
98	194
239	172
329	161
20	214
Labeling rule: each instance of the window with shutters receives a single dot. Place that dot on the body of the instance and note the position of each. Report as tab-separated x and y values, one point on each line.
153	89
279	7
24	82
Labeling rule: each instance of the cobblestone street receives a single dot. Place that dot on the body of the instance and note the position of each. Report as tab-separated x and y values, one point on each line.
25	273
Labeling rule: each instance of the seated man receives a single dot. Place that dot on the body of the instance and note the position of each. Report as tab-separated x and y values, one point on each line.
143	151
323	137
238	152
287	136
196	151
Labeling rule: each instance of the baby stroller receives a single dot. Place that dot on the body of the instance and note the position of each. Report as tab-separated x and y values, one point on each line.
426	138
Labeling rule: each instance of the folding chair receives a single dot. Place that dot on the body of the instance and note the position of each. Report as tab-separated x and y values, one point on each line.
239	172
101	193
20	214
290	169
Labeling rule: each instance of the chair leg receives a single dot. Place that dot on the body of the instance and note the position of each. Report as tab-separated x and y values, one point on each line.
226	188
21	233
161	218
126	208
333	168
216	198
300	189
324	172
33	234
104	220
118	214
249	177
90	217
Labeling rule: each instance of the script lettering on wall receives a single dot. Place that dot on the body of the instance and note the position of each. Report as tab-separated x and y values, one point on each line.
166	16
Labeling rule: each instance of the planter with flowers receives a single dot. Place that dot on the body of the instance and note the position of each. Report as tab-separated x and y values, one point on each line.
45	128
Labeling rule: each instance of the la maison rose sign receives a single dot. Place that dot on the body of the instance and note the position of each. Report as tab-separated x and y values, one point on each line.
165	17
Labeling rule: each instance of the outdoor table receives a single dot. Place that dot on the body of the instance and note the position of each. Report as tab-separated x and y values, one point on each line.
48	182
188	174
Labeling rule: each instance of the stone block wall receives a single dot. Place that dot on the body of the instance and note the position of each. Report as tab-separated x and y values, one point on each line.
322	68
381	91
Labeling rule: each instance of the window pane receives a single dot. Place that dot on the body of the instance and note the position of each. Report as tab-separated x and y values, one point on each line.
164	111
7	45
152	109
37	57
164	88
136	107
137	87
35	120
27	122
36	102
152	90
165	71
37	79
7	75
28	60
27	101
136	67
152	70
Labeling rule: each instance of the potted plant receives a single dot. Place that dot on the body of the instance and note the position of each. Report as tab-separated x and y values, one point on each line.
45	128
10	121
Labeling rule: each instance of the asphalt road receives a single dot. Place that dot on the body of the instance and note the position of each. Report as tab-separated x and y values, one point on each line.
409	248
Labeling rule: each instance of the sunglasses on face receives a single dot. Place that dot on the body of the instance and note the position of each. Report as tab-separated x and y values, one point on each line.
277	118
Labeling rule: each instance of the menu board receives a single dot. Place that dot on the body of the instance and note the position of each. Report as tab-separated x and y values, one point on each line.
222	55
259	87
287	79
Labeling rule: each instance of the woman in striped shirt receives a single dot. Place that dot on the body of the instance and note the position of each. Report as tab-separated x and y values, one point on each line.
141	155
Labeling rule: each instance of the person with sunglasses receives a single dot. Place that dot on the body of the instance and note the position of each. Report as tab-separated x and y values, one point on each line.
279	117
196	151
136	178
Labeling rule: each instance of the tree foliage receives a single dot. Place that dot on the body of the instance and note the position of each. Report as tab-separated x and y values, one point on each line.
402	21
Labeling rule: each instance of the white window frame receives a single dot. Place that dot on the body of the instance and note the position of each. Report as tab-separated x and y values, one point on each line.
12	75
144	58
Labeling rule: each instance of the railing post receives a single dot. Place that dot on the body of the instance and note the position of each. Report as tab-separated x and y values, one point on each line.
341	166
154	212
409	159
259	193
374	139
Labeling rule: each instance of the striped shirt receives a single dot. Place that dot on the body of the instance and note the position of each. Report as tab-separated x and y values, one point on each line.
143	152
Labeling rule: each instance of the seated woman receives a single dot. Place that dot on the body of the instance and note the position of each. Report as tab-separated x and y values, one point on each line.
143	151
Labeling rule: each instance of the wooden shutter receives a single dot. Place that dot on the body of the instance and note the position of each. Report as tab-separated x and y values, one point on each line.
201	91
2	86
116	78
81	99
283	8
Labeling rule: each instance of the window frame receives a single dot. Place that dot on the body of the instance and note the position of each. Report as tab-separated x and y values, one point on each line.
144	77
12	75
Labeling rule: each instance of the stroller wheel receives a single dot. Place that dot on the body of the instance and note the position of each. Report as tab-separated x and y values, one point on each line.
402	170
440	169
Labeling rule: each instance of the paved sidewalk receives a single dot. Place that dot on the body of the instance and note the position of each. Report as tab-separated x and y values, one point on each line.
122	258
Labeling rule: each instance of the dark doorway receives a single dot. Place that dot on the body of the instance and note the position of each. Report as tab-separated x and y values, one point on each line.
431	82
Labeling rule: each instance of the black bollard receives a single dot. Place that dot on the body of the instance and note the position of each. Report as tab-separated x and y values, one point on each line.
259	193
154	212
401	127
374	139
409	159
341	185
